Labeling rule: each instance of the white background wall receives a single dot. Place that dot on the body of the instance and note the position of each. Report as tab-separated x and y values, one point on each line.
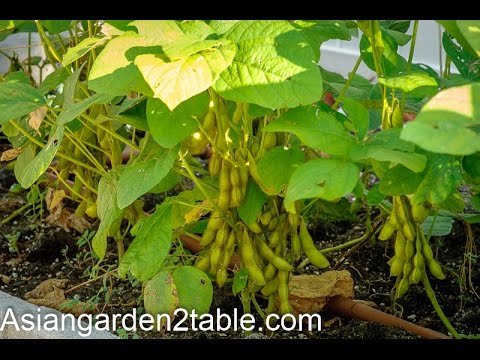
340	56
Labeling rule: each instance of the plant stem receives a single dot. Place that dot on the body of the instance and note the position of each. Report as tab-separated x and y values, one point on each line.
49	48
351	75
69	188
195	180
410	58
334	248
436	306
15	213
111	132
42	145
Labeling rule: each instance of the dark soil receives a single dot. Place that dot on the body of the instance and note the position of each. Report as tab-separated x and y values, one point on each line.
47	251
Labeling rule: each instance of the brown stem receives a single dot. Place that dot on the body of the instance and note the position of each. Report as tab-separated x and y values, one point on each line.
349	308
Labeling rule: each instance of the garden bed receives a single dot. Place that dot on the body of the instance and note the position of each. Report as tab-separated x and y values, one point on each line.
47	251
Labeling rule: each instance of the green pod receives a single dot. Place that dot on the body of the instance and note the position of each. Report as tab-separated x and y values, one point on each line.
396	265
386	232
269	272
203	263
265	218
267	253
208	237
248	256
420	212
236	197
415	276
407	268
274	238
269	140
409	250
435	269
270	288
283	293
400	243
273	224
215	254
224	199
221	277
315	256
402	288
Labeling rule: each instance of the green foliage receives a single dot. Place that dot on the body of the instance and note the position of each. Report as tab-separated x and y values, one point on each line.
132	101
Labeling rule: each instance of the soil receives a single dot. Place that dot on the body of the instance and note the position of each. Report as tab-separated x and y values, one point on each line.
48	251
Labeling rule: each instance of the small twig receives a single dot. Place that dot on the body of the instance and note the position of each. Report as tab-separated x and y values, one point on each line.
99	277
358	246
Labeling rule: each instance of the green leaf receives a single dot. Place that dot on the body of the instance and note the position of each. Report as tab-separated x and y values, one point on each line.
399	180
277	166
413	161
466	63
179	209
195	290
328	179
441	227
445	124
240	280
440	179
474	201
316	129
274	66
390	139
160	294
28	175
53	80
318	31
24	160
17	99
84	47
400	38
17	77
251	207
418	81
454	203
107	209
375	196
198	28
471	166
392	61
458	29
144	172
358	115
222	26
192	69
77	109
146	253
167	183
114	72
56	26
169	128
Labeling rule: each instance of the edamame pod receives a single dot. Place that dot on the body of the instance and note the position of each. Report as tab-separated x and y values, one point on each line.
277	261
248	257
315	256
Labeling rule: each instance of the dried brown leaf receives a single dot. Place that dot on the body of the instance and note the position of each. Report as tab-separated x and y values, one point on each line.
310	293
10	154
36	118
